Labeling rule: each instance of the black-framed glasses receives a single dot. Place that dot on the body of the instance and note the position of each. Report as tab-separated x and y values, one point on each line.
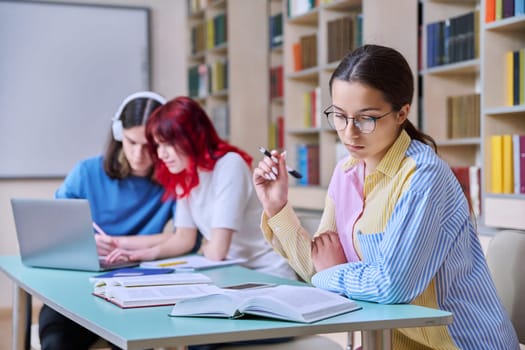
337	120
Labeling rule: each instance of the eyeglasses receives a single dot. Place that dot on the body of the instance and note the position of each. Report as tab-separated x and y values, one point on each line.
366	124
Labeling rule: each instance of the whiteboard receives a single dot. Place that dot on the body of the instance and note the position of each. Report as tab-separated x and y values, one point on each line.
64	70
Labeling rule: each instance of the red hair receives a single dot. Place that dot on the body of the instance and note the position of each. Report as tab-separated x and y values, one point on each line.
182	123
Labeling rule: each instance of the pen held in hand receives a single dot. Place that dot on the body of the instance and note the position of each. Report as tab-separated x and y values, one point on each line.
98	229
291	171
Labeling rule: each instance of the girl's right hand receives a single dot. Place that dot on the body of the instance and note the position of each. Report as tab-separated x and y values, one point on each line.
132	255
270	179
327	251
105	244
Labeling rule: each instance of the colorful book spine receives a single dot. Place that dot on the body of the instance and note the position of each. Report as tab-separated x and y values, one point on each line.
508	8
496	166
490	10
521	78
516	77
508	172
499	10
522	163
516	161
509	77
519	7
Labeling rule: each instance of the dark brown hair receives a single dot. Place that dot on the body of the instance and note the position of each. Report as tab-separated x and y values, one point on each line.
386	70
135	113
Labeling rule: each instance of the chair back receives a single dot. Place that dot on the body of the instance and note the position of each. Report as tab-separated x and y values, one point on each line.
506	260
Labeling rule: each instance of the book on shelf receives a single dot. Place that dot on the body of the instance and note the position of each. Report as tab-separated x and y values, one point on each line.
198	38
463	116
490	11
343	35
276	134
469	179
518	144
312	108
308	44
300	7
276	30
515	77
519	7
453	40
280	132
507	8
296	56
291	303
496	163
196	6
507	170
308	164
276	82
190	262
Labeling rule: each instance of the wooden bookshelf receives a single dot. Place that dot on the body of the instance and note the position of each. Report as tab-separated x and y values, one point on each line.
276	15
485	75
245	92
297	83
498	117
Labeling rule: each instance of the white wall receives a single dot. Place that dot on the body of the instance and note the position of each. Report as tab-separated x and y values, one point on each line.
169	78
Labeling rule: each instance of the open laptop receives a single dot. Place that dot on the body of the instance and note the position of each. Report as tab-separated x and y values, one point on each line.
58	233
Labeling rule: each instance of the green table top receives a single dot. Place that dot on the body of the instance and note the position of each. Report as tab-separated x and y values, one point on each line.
69	292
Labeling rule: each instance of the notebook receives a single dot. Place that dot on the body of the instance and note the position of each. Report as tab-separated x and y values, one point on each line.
58	233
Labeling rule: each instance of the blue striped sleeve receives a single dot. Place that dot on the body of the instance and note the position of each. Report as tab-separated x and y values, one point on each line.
399	263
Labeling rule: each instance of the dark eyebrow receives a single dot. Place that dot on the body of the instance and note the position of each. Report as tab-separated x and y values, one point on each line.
361	111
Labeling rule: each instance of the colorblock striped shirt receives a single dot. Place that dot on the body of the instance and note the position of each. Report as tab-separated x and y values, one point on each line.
417	244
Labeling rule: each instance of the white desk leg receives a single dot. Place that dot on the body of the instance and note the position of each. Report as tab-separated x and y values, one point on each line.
21	303
380	339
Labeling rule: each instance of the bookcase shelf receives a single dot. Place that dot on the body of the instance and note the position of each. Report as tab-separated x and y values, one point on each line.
467	142
239	102
469	67
311	128
501	210
487	76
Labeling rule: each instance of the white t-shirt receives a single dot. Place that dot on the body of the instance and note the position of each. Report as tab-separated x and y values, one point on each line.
225	198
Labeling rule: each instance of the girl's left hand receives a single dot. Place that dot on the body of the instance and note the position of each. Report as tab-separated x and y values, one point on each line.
327	251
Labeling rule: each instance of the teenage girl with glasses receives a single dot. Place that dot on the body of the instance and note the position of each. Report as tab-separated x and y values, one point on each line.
396	227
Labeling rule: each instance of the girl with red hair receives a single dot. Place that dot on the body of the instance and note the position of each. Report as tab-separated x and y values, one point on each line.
211	181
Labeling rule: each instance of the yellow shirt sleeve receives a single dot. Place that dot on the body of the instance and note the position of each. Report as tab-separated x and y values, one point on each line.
288	238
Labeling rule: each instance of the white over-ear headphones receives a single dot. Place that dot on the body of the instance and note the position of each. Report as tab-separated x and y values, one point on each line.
116	126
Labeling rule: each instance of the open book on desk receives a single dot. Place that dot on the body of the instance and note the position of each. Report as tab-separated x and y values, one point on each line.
190	262
285	302
132	297
152	290
152	280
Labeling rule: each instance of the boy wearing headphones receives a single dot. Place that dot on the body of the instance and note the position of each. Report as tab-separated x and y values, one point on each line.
125	202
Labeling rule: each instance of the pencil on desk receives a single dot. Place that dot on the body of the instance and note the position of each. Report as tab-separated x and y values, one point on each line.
173	263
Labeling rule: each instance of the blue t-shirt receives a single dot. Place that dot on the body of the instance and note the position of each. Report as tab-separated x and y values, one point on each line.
120	207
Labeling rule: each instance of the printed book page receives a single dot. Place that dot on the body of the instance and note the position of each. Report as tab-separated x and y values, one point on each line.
286	302
126	297
152	280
